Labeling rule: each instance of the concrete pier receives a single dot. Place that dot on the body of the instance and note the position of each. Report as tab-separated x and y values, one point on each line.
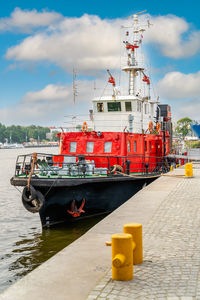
169	210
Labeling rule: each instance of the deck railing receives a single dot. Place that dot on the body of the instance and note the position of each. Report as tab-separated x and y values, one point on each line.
89	165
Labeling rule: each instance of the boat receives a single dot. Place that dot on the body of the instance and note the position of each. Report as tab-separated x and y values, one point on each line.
11	146
122	147
196	129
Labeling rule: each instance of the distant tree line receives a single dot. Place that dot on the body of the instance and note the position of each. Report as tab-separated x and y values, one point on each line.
21	134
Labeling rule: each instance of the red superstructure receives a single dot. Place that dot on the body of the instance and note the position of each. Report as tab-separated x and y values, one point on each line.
138	148
122	143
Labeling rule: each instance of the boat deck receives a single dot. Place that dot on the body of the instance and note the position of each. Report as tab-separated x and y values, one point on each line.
65	180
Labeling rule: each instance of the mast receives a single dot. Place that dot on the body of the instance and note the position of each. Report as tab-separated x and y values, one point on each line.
133	65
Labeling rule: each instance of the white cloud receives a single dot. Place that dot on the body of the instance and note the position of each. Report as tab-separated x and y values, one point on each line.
51	92
25	20
182	92
190	109
87	43
168	32
90	43
176	85
48	106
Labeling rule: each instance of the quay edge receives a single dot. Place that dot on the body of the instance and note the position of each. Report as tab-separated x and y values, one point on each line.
77	269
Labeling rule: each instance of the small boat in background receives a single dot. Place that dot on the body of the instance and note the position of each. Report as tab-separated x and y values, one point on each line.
11	146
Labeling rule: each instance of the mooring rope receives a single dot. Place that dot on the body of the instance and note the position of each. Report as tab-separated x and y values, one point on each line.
32	169
51	187
17	189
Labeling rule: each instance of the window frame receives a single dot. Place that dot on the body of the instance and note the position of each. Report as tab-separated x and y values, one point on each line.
128	146
98	107
145	146
89	142
127	103
114	103
135	146
139	106
106	143
150	146
70	143
146	108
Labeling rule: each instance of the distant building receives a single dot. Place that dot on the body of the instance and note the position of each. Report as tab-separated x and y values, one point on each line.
52	129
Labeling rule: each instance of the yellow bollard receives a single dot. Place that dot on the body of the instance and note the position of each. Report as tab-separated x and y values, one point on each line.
122	257
188	170
171	168
136	231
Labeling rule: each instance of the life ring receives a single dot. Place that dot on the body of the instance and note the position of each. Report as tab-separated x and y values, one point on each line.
150	127
85	126
29	193
35	204
115	168
158	127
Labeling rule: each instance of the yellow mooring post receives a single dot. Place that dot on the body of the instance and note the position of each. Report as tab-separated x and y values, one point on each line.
122	256
135	230
188	170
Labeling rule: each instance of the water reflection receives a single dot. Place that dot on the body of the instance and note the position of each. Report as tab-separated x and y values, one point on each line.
29	253
23	244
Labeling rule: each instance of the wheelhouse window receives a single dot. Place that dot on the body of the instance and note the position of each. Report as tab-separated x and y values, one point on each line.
114	106
90	147
73	146
100	107
128	106
135	146
107	147
146	109
129	146
139	106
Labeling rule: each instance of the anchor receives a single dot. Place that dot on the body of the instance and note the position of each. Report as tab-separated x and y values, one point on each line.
76	212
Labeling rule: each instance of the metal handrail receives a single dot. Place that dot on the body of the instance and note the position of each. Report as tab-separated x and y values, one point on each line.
49	163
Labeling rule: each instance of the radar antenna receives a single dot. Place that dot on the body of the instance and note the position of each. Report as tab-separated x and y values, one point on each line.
139	13
75	93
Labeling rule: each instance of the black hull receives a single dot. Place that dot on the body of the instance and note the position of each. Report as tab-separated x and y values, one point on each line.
101	196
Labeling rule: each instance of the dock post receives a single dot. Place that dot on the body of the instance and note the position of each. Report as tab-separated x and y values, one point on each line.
188	170
122	257
135	230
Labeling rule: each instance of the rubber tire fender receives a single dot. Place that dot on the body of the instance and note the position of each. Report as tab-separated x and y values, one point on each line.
29	193
35	204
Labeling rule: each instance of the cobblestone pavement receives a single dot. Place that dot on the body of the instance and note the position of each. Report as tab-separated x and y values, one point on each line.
171	267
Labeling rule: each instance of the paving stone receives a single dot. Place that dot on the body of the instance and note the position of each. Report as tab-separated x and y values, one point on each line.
171	267
91	297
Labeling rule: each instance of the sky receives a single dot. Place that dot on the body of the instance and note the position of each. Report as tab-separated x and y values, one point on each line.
41	42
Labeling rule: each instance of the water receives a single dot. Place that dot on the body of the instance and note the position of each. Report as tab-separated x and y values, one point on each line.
23	243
